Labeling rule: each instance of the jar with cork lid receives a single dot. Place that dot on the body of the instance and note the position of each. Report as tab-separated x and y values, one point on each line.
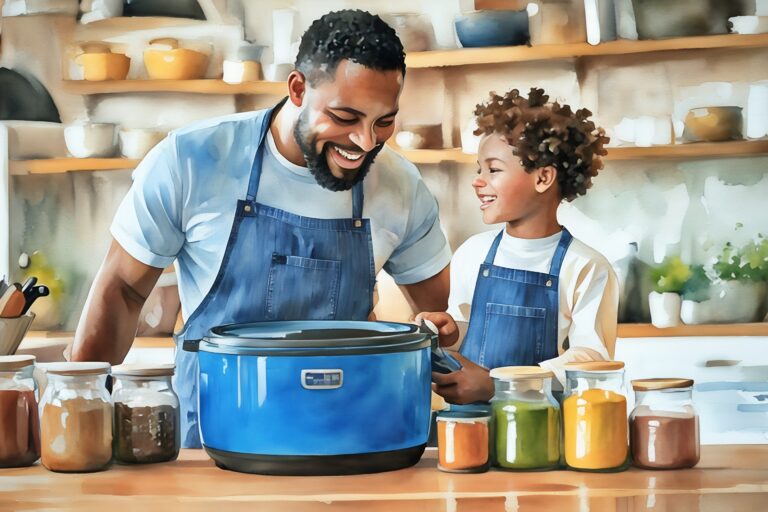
19	424
664	425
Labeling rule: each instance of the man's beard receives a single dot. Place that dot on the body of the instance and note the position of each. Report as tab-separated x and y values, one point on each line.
317	163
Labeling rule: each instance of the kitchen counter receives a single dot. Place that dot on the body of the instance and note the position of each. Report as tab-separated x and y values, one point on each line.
732	478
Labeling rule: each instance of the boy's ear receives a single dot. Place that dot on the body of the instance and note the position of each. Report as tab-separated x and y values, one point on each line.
296	87
546	178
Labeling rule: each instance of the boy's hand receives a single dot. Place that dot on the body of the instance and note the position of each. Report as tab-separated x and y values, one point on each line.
447	330
472	383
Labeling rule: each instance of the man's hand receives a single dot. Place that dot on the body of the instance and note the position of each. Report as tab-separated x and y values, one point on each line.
447	330
472	383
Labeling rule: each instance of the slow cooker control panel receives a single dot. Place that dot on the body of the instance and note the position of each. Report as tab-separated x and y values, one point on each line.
322	378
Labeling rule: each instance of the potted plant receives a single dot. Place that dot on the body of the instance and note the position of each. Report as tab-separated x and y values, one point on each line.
696	307
664	301
739	288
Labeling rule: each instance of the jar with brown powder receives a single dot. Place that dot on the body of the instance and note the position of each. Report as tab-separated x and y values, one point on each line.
664	426
76	418
19	424
147	423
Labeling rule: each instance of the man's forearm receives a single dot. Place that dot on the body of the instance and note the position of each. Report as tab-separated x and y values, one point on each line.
108	324
430	294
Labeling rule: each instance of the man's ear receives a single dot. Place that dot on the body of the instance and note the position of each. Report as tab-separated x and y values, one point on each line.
546	178
297	83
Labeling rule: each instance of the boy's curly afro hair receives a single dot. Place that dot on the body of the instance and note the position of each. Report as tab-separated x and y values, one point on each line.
547	134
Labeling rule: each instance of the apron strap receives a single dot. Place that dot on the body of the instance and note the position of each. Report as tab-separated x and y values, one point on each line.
557	260
357	200
253	182
492	251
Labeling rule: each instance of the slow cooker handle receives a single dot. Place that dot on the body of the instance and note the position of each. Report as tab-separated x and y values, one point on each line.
191	345
441	361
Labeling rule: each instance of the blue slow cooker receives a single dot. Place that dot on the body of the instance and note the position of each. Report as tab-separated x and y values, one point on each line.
314	397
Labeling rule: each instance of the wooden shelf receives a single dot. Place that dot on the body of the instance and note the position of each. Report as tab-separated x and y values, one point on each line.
649	331
138	342
502	54
59	165
693	151
206	86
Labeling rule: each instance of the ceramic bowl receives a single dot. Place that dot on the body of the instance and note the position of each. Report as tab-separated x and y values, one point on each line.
236	72
164	60
493	28
12	331
136	143
420	137
713	124
104	66
89	140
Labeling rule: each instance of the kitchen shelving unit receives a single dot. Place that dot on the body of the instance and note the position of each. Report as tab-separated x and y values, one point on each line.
204	86
59	165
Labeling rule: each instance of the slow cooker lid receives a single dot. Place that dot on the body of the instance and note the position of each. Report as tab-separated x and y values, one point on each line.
314	336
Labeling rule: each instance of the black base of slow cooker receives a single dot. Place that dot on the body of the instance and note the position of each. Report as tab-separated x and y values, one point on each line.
313	465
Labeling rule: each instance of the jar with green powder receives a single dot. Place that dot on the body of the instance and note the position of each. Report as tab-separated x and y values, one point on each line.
525	419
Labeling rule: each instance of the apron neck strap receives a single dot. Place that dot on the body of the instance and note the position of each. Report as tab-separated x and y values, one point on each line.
557	260
494	247
357	200
261	129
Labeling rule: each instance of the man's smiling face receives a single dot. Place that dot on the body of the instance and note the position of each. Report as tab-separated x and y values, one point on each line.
345	122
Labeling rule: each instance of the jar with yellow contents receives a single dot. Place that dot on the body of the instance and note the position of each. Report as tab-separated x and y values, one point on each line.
595	417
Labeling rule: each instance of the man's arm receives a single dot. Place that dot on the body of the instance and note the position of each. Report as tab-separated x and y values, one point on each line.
430	294
108	324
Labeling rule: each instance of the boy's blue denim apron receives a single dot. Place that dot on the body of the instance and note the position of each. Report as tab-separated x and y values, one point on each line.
279	266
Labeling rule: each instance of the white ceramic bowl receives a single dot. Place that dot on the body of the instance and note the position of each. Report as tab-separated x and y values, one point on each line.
136	143
88	140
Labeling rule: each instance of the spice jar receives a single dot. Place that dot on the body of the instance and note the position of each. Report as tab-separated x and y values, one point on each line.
19	423
664	426
595	416
146	414
462	441
526	419
76	418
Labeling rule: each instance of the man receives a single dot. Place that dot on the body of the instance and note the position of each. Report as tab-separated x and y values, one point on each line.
278	214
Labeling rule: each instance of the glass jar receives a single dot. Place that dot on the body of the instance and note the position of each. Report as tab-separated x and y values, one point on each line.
526	419
147	423
19	422
664	426
595	417
76	418
462	441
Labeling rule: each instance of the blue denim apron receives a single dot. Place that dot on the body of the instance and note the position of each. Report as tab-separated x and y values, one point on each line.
279	266
514	312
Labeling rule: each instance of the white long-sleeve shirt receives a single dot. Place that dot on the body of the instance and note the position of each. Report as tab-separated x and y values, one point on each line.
588	292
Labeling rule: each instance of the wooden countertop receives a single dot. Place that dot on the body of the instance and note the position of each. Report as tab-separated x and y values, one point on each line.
731	478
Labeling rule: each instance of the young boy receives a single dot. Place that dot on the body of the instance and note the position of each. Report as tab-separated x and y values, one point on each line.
533	294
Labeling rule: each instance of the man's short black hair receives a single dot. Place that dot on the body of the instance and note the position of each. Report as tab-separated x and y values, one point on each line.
351	34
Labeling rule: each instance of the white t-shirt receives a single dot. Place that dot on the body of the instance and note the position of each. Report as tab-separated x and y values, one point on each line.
588	291
183	199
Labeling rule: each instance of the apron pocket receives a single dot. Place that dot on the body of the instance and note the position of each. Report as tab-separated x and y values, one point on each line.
513	335
302	288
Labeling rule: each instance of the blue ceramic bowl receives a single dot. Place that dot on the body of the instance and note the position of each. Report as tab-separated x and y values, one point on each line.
493	28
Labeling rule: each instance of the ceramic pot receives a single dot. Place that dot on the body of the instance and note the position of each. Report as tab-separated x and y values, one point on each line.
136	143
89	140
713	124
166	61
493	28
99	63
236	72
665	309
660	19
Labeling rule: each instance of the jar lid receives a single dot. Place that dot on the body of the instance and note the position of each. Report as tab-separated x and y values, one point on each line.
594	366
143	370
654	384
10	363
520	372
78	368
464	416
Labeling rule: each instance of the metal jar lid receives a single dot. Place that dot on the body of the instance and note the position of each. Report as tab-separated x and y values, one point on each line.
656	384
12	363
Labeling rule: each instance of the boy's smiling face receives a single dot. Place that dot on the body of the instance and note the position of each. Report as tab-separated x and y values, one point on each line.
506	191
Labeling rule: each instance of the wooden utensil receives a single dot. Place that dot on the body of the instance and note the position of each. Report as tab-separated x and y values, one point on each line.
13	302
